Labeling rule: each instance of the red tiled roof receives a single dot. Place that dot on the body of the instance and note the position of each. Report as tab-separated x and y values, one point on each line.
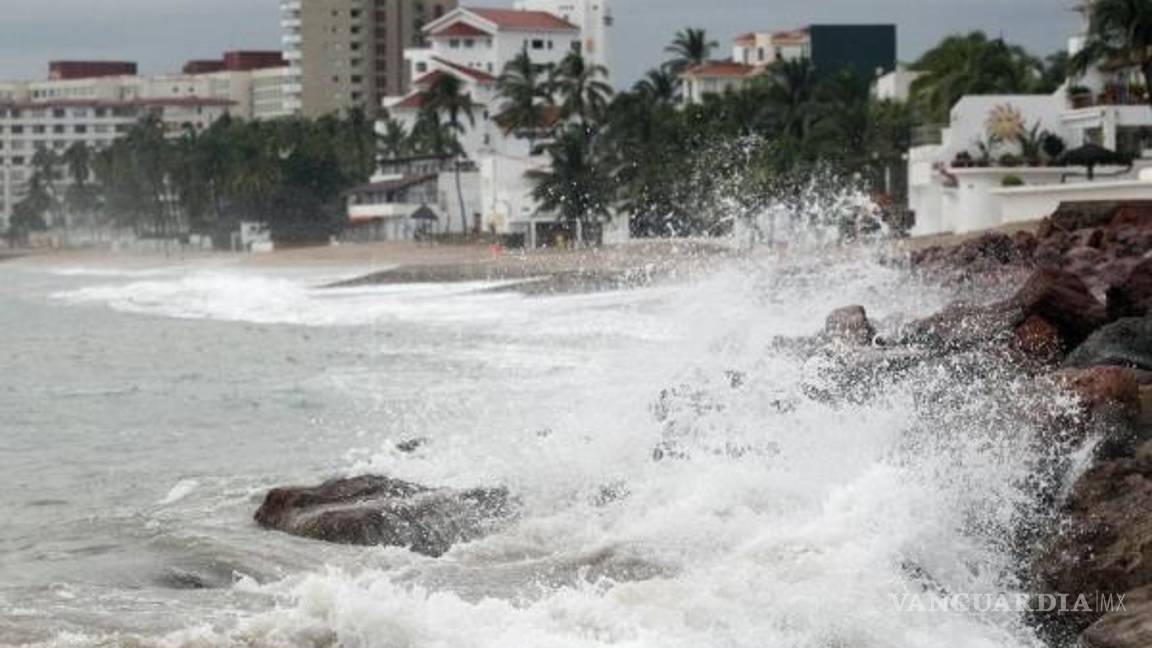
478	75
460	29
428	79
413	101
721	69
750	37
523	20
791	35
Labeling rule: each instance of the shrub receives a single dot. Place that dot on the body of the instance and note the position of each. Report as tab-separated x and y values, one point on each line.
1053	146
1010	160
1012	181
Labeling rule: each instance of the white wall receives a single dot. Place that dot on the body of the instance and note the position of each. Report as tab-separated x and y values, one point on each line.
1022	204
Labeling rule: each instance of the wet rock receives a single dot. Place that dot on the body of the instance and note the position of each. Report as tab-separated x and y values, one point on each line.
375	510
851	325
1105	545
1109	393
1127	626
411	445
1125	343
961	326
1039	339
1063	300
1132	297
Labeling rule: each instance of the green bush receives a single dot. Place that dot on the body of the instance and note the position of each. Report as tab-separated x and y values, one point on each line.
1012	181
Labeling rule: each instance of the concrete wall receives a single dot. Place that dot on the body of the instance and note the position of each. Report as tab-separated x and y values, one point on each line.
1022	204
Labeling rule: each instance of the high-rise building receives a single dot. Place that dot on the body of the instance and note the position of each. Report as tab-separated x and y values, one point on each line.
350	53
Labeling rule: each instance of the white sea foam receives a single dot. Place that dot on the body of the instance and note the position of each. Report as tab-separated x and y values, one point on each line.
774	519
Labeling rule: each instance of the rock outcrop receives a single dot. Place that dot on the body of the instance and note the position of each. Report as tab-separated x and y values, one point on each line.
375	510
1125	343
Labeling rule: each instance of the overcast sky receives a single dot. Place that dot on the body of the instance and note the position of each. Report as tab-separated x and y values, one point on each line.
162	34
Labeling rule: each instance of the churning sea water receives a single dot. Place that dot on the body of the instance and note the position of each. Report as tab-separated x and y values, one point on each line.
143	414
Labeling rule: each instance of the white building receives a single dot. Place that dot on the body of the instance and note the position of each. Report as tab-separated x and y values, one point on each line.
594	18
766	48
958	184
56	113
474	45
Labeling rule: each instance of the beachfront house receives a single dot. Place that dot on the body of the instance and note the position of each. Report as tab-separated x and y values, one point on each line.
474	45
998	161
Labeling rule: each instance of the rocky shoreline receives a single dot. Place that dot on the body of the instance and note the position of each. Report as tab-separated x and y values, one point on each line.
1083	318
1079	326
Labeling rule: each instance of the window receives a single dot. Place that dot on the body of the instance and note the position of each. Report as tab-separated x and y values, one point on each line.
550	44
58	129
101	112
421	67
18	160
538	44
469	43
58	113
356	78
38	130
17	130
81	129
454	43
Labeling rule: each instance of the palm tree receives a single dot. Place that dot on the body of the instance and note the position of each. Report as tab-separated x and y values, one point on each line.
395	141
660	86
1121	31
789	97
526	94
77	159
690	47
575	185
582	94
970	64
44	163
447	97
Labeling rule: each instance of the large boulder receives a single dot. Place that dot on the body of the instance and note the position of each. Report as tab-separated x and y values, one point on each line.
1105	544
1132	297
963	326
1062	299
375	510
850	324
1127	625
1125	343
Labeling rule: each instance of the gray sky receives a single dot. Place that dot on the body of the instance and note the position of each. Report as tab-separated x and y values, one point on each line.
162	34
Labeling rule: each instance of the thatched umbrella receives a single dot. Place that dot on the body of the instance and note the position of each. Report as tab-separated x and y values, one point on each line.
1091	156
424	213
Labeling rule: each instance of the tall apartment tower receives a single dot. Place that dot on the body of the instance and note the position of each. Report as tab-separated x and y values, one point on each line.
350	53
593	17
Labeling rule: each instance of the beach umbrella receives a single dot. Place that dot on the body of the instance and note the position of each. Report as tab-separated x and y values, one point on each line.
425	213
1091	156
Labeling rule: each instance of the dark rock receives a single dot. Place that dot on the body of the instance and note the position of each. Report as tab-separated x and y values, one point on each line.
851	325
1105	546
1039	339
411	445
1132	297
1124	343
1025	244
1063	300
1129	625
374	510
1111	393
962	326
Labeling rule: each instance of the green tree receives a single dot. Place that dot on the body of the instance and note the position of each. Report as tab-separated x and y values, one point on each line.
970	64
81	197
447	96
524	90
659	86
581	92
576	184
690	47
1119	31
